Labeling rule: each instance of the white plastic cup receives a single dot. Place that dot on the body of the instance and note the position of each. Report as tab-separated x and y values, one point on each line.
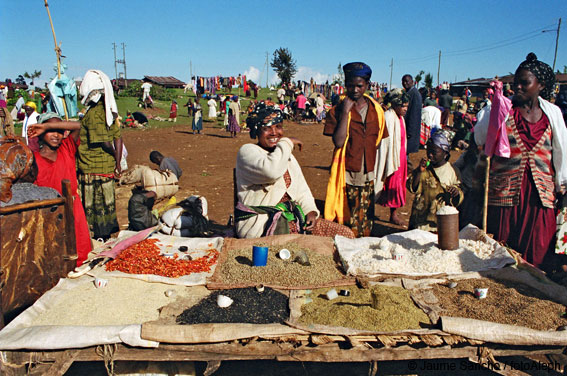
332	294
480	293
100	283
224	301
284	254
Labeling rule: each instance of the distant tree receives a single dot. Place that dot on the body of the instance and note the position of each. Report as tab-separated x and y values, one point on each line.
428	80
20	80
418	78
340	75
32	76
283	64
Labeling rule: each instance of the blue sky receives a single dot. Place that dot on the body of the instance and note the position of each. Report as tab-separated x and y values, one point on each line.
228	38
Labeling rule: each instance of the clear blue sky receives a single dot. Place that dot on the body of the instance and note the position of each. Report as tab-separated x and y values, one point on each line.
229	37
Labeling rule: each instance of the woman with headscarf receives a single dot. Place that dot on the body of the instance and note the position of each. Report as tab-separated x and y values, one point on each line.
55	162
30	119
197	116
357	126
99	154
435	183
393	194
522	189
273	196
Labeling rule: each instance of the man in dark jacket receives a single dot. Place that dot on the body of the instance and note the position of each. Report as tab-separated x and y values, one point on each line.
413	116
445	101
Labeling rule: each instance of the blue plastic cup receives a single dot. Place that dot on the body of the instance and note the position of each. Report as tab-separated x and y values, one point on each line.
259	256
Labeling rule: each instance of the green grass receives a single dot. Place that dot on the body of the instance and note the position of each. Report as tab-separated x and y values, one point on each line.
126	104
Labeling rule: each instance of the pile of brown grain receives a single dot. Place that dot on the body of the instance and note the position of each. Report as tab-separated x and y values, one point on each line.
238	269
398	313
506	303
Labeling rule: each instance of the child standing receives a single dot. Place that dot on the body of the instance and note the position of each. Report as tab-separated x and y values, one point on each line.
233	126
435	184
173	112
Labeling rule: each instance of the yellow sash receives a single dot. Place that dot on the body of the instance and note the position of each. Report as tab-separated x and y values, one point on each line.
336	206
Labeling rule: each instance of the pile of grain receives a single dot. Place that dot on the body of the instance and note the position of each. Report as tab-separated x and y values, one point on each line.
509	303
123	301
249	306
238	269
354	311
420	259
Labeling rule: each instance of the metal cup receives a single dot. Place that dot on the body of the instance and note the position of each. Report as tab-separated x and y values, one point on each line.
302	258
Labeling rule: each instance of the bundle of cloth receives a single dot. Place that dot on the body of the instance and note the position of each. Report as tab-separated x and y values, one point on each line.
188	219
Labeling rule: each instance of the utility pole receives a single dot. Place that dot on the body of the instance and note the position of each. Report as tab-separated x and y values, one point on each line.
439	69
124	62
391	71
115	66
556	43
267	69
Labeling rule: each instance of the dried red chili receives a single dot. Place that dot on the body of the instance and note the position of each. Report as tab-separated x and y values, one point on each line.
145	258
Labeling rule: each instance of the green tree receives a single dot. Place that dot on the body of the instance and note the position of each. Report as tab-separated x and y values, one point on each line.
428	80
418	78
283	64
340	77
32	76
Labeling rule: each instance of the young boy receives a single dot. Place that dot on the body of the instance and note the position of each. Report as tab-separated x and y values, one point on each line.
165	163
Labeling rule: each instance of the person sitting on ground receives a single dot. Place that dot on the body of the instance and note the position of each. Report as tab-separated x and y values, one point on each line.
55	162
435	184
129	121
140	206
273	196
165	163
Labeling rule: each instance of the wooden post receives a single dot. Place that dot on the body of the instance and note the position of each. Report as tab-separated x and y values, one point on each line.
485	206
70	242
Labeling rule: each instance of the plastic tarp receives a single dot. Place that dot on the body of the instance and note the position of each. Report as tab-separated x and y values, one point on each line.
350	252
63	89
20	334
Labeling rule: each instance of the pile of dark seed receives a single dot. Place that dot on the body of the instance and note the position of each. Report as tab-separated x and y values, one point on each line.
250	306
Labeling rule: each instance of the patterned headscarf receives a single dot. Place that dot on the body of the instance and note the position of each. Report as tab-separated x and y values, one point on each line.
440	139
16	160
357	69
396	97
542	71
263	117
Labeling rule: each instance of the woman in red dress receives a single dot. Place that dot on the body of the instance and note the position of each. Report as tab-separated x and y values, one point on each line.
55	162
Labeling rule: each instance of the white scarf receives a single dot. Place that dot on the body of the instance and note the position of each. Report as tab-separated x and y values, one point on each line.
97	80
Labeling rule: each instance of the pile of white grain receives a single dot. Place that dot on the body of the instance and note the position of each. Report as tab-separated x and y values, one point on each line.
419	258
123	301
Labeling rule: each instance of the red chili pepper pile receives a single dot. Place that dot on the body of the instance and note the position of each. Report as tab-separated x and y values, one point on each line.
145	258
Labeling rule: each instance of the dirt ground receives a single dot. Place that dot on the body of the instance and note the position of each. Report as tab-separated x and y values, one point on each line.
208	160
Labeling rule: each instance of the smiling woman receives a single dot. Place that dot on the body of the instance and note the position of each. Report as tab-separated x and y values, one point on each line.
58	142
273	196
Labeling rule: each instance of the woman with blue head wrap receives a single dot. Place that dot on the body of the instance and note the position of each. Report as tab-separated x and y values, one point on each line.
357	126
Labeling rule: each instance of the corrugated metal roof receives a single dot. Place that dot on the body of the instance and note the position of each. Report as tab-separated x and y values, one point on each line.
165	81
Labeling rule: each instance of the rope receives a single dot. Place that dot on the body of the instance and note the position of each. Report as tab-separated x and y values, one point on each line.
106	352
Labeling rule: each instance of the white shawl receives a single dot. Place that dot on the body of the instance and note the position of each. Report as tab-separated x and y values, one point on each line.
97	80
388	152
558	138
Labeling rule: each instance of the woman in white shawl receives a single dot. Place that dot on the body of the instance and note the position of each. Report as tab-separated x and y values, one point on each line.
392	155
212	108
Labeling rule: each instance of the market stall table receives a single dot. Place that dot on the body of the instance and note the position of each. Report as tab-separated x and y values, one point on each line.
158	340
